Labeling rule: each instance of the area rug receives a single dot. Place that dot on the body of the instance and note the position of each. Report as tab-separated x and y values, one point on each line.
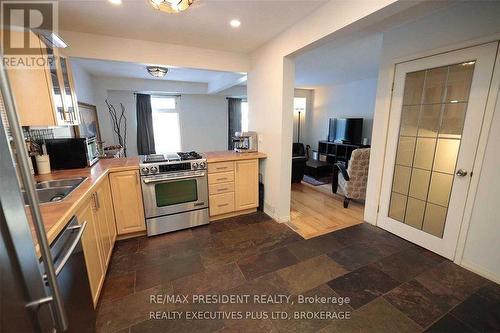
316	182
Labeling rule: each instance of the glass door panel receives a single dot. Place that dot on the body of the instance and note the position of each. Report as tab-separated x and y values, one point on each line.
69	103
57	94
432	118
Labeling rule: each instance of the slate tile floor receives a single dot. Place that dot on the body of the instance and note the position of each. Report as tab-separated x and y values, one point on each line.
393	285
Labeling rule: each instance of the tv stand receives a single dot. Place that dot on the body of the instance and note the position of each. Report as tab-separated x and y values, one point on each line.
333	152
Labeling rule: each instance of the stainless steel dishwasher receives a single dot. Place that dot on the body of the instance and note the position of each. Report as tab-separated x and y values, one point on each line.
72	277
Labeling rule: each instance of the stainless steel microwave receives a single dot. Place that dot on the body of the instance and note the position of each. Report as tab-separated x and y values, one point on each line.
72	153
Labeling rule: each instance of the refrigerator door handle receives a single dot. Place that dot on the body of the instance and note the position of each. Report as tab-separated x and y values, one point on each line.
58	310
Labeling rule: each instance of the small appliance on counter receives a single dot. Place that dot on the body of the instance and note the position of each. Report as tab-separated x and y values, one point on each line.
72	153
175	191
245	142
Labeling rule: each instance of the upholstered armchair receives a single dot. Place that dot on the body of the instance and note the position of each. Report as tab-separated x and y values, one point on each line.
352	179
299	159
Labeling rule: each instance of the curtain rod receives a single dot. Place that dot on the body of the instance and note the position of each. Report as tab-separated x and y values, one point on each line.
156	94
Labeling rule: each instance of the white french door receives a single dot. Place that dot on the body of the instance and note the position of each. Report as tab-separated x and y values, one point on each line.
435	121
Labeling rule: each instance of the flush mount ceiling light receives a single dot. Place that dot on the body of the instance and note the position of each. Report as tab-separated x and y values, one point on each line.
171	6
115	2
156	71
235	23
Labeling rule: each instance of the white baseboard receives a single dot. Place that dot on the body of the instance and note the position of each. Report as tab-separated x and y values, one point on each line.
481	271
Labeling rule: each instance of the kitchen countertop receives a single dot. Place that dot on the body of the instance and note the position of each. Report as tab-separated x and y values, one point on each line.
229	155
57	215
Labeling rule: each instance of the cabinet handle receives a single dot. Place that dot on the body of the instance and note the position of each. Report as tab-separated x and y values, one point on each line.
225	178
97	203
222	205
222	168
222	189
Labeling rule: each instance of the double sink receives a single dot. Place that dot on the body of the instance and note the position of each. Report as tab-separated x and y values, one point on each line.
54	190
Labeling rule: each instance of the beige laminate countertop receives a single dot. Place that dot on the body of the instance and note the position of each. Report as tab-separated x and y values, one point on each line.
229	155
57	215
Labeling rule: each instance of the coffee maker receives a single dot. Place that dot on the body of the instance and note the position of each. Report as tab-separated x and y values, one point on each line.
245	142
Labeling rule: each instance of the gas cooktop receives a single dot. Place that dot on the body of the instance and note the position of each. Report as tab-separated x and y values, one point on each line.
171	157
171	163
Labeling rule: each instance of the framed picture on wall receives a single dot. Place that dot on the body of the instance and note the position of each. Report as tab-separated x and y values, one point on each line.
89	123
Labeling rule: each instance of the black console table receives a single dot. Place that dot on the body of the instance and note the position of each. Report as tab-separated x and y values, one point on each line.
335	152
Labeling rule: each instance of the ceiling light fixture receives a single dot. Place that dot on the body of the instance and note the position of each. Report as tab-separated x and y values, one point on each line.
156	71
116	2
171	6
235	23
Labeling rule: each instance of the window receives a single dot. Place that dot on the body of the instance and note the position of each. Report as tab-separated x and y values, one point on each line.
166	126
299	104
244	116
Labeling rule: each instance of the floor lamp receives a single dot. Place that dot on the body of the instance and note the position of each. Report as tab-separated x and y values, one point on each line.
298	130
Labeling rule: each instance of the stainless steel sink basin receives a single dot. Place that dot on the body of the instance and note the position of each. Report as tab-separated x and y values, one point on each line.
55	190
71	182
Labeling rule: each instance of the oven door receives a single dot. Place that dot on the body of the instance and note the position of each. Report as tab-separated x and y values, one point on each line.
170	196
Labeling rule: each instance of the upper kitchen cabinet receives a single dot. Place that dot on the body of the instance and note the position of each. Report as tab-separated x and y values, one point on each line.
44	96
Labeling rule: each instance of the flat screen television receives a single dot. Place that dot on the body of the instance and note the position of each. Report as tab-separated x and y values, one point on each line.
345	130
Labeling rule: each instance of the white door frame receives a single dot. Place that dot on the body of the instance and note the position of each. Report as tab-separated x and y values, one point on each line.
481	82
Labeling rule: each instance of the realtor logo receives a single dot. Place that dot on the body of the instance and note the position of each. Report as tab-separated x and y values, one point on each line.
20	19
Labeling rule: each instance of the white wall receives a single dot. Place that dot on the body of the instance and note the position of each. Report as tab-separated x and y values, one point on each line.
83	84
202	117
440	30
271	91
94	46
354	99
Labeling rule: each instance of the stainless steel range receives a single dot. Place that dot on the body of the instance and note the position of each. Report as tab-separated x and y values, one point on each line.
175	191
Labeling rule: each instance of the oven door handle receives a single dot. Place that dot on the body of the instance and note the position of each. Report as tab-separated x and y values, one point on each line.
159	180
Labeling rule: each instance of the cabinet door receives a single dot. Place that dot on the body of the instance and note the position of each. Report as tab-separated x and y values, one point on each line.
68	92
127	202
29	85
107	203
101	217
91	249
246	184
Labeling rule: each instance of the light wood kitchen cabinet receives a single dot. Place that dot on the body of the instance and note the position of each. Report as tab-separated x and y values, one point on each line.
246	184
127	202
233	187
92	248
99	238
105	221
44	96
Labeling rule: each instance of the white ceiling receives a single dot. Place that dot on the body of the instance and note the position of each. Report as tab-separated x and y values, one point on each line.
205	24
339	62
138	71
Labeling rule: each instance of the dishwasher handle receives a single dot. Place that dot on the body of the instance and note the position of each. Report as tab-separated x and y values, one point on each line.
67	255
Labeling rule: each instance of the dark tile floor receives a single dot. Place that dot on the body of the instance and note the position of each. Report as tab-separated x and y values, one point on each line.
392	285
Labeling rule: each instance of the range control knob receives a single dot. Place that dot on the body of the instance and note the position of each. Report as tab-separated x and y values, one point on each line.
145	171
203	165
194	165
154	169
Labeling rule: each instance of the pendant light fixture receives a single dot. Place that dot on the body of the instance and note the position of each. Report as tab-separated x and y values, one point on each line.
157	71
171	6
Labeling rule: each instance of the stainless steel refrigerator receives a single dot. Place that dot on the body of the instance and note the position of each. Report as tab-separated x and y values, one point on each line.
46	294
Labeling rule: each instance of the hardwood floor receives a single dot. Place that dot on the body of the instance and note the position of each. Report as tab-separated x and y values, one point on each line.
315	211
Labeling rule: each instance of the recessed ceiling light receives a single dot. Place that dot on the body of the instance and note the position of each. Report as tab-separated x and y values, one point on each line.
116	2
235	23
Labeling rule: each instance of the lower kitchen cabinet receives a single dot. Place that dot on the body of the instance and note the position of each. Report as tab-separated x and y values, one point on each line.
246	183
100	235
92	248
127	202
233	187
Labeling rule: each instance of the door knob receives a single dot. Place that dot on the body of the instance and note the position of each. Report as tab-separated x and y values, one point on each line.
461	173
